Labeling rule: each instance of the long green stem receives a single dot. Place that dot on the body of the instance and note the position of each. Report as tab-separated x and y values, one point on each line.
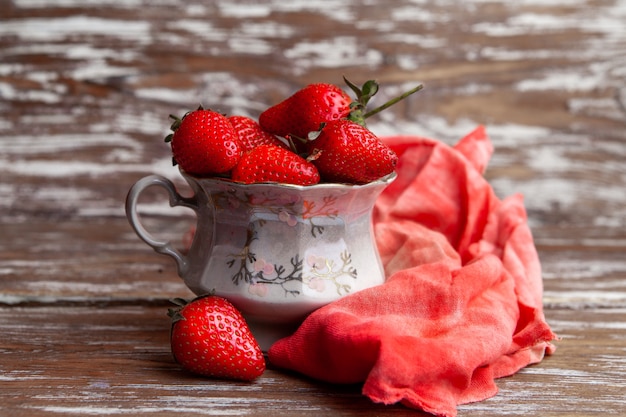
392	102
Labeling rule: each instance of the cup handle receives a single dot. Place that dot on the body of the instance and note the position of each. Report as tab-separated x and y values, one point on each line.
162	247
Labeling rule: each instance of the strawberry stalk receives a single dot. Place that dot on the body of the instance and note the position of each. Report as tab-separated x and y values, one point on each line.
392	101
363	96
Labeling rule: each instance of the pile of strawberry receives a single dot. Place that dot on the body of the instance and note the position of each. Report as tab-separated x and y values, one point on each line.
316	135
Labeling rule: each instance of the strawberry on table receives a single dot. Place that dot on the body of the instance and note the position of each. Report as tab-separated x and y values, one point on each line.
345	151
210	337
251	134
269	163
205	143
305	110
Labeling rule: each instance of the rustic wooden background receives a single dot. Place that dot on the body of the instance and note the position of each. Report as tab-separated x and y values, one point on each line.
86	88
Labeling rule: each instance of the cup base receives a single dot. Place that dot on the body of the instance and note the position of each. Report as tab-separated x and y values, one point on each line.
268	333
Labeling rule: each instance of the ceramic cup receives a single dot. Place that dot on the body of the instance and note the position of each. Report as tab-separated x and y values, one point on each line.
276	251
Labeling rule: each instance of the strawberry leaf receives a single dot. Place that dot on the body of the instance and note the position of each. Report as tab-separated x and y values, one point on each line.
175	122
363	94
180	302
370	88
356	89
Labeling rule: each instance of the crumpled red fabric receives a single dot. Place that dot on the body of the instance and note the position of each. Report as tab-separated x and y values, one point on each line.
462	303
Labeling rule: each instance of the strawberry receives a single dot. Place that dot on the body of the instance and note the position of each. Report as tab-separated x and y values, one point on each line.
210	337
345	151
205	143
305	110
251	134
269	163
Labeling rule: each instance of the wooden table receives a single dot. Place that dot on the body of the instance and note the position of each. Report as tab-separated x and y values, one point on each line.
85	93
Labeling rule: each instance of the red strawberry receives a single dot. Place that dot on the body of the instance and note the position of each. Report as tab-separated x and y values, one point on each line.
345	151
268	163
205	143
251	134
210	337
305	110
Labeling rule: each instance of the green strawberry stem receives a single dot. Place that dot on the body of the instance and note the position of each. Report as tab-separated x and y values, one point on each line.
392	101
291	139
364	94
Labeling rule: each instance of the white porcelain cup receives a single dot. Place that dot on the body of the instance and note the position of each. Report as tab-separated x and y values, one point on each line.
276	251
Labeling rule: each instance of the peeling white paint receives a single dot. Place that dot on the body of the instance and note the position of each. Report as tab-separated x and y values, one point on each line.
31	144
332	53
58	29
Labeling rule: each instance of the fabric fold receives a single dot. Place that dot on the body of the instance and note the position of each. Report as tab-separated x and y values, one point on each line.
462	303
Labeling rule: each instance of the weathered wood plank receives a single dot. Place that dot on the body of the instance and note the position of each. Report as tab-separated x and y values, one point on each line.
116	360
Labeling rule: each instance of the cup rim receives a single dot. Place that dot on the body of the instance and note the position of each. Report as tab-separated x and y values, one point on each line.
385	180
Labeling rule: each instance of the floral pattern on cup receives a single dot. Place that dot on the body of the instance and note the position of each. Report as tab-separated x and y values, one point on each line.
287	217
258	289
287	207
260	275
254	270
323	270
316	273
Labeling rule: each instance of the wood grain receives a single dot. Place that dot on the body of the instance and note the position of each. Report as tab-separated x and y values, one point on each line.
85	93
116	360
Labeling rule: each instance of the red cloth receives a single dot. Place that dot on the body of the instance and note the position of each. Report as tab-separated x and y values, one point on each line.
462	304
